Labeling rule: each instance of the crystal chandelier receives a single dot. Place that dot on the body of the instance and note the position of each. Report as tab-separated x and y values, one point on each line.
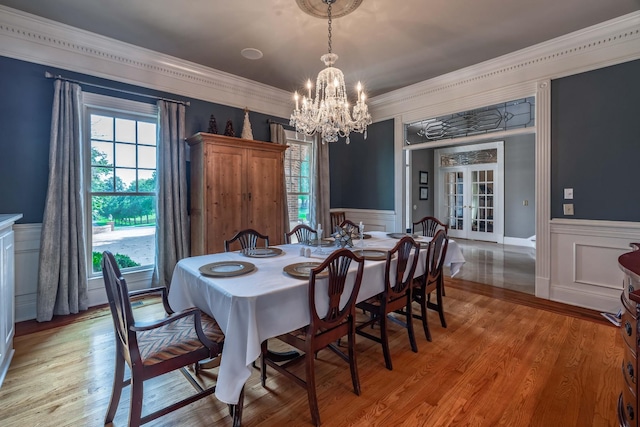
328	113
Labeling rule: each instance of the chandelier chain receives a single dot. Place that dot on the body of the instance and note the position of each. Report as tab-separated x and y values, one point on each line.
329	14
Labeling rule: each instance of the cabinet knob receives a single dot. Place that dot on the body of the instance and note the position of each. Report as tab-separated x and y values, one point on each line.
630	411
630	371
627	327
631	288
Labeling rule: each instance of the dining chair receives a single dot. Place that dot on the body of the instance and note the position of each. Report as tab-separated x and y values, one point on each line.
397	295
247	239
154	348
330	320
432	280
429	225
303	233
336	219
349	226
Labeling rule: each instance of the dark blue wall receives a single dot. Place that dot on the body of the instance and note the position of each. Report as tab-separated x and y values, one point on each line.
595	143
25	121
362	172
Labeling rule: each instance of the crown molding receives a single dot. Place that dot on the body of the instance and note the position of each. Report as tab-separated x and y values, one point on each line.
30	38
608	43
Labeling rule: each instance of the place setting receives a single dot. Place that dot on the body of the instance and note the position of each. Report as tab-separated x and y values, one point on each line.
261	252
227	268
301	270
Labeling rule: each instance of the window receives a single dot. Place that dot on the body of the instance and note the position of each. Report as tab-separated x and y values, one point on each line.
120	184
297	169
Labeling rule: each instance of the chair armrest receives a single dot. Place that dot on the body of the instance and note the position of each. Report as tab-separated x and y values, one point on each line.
145	326
159	289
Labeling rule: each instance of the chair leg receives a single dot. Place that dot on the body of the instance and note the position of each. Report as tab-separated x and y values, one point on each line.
384	340
236	410
412	335
352	358
116	391
439	294
423	311
263	364
135	411
311	389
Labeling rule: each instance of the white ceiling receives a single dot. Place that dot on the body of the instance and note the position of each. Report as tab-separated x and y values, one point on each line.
386	44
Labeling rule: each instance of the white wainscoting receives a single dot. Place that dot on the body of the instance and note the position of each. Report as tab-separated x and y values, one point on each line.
27	246
373	220
584	266
584	261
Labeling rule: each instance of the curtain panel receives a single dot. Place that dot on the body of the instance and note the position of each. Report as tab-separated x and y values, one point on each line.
172	223
279	136
62	271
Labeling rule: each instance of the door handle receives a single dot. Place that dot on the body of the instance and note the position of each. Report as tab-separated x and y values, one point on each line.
249	196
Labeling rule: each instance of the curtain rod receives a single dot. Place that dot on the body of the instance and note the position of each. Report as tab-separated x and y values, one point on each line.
59	77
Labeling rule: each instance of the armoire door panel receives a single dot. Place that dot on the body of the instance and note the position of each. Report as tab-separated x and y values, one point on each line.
224	167
266	194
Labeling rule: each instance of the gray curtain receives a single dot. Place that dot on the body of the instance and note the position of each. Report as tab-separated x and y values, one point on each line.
320	188
279	136
172	225
62	271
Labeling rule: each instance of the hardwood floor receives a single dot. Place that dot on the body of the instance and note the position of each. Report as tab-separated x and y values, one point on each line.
504	360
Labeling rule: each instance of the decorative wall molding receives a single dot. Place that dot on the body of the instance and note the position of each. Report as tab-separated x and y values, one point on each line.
584	269
34	39
373	220
608	43
27	258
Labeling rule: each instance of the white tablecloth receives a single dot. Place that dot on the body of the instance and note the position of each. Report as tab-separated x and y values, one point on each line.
266	302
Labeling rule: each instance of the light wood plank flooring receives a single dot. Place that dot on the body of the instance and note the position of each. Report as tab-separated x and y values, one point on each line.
506	359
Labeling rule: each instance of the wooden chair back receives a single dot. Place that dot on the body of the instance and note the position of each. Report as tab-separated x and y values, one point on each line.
437	251
246	239
336	321
336	220
303	233
399	279
350	226
429	225
120	305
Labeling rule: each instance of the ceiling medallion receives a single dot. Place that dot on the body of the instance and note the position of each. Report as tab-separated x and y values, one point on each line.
318	8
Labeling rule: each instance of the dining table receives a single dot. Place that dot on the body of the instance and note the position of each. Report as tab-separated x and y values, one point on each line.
266	298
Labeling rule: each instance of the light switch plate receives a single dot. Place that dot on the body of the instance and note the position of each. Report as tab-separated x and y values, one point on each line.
568	193
567	208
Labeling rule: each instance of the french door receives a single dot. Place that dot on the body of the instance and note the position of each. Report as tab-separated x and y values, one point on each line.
471	196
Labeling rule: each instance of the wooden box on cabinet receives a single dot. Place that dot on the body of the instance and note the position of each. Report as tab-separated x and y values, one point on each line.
235	184
628	402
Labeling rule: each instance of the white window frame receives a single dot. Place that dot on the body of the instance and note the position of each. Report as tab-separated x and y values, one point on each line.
137	278
301	139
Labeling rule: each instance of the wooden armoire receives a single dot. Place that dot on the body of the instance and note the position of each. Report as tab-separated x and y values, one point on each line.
235	184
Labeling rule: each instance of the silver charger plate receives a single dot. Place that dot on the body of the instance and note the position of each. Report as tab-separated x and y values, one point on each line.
301	270
372	254
401	235
227	268
261	252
